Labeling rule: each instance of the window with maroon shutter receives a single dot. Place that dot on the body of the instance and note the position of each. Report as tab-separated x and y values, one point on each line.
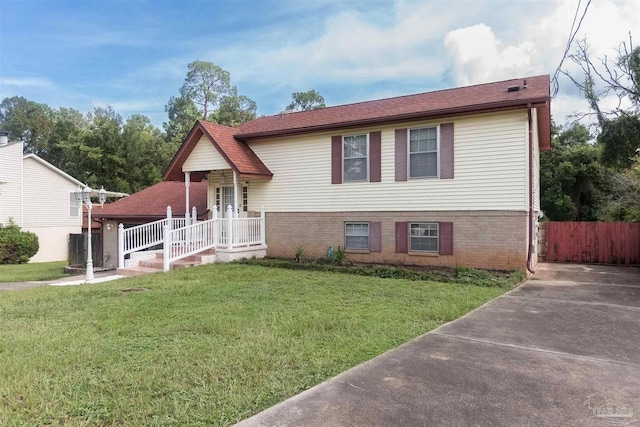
402	233
336	159
445	238
423	237
375	154
446	151
375	237
401	154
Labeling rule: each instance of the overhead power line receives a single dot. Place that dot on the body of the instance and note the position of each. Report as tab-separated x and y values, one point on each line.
572	35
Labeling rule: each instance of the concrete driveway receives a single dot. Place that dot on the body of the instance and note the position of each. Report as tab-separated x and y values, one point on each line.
563	349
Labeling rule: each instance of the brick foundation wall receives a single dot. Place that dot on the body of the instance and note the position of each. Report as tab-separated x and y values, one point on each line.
483	239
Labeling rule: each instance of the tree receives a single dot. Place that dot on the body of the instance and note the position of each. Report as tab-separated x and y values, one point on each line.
573	181
234	109
183	113
205	85
304	101
27	121
620	140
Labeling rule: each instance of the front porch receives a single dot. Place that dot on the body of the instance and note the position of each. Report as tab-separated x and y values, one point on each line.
182	242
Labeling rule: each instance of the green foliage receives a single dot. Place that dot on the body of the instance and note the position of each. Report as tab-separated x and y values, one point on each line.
459	275
234	109
27	121
620	140
205	85
299	254
572	179
183	114
17	246
340	256
303	101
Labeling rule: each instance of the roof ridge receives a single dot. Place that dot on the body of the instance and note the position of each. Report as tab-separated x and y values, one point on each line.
398	97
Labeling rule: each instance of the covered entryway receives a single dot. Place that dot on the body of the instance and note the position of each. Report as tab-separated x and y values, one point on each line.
593	242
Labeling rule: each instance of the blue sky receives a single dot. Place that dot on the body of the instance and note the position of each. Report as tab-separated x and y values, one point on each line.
133	54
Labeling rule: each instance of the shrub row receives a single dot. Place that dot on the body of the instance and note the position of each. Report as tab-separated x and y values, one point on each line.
459	275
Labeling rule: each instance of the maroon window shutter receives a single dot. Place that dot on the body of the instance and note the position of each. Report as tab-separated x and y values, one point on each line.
336	159
402	234
375	154
446	238
446	151
401	154
375	237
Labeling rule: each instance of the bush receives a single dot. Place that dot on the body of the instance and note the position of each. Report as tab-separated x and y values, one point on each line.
17	246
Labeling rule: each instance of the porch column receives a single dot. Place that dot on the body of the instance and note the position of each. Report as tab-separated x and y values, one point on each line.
235	194
187	184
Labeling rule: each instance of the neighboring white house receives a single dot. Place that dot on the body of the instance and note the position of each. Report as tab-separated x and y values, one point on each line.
39	198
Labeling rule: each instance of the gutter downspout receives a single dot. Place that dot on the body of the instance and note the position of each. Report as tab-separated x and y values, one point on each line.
531	224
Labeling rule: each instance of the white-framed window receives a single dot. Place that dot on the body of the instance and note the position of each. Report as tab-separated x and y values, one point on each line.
423	152
356	235
74	205
355	154
245	198
423	237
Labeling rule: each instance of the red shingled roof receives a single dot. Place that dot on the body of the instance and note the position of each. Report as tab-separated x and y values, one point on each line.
237	154
151	203
470	99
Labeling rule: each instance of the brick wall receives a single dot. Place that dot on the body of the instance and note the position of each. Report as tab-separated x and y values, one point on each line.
484	239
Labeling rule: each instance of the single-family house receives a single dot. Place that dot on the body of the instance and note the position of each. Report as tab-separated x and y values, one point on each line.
39	197
445	178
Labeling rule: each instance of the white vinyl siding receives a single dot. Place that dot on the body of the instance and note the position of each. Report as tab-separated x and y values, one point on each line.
47	197
10	183
204	157
356	235
490	153
423	152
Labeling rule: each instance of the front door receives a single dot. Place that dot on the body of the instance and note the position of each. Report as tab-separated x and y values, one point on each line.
225	197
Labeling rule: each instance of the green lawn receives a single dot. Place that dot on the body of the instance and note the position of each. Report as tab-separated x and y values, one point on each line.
202	346
32	272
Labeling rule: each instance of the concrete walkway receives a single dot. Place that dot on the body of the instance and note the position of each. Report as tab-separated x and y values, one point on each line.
563	349
102	276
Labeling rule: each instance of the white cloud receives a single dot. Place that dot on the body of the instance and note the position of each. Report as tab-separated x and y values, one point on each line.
477	55
22	82
480	57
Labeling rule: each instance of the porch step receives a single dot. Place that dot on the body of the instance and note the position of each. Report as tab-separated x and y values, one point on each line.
158	263
137	271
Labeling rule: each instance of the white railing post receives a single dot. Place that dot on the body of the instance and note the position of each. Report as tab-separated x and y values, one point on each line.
169	217
120	246
214	228
263	227
229	227
166	248
194	215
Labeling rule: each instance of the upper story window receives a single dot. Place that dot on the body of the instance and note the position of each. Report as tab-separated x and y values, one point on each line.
74	205
423	152
355	158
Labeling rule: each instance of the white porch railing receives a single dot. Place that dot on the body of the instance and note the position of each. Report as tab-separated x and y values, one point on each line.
183	237
230	232
145	236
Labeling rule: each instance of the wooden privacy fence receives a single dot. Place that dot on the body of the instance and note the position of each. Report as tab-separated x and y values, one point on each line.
593	242
78	249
